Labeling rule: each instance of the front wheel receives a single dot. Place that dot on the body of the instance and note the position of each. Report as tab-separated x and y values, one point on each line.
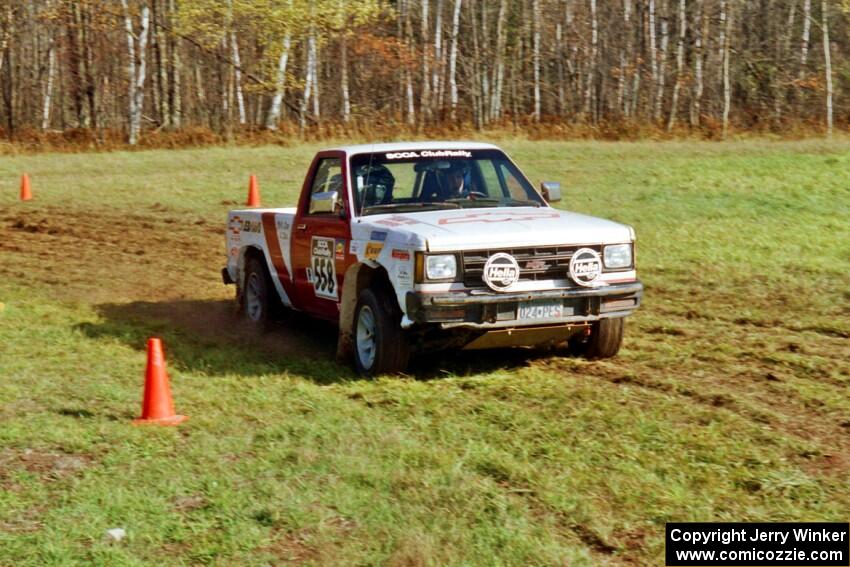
604	341
380	345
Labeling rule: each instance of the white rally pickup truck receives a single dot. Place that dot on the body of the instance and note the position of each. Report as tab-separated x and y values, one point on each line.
412	247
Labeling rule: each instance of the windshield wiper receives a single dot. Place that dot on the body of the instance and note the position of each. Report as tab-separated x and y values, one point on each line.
483	200
522	203
417	205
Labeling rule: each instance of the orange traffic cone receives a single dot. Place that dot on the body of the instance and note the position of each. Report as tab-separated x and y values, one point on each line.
26	190
253	192
157	407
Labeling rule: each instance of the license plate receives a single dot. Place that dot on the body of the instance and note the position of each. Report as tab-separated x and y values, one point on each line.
540	310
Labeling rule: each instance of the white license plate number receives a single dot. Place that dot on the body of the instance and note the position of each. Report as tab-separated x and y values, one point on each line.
540	310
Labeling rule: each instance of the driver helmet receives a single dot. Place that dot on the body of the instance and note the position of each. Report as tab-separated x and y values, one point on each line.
458	167
377	183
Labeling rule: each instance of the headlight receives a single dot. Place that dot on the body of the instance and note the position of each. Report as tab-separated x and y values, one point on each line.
442	267
618	256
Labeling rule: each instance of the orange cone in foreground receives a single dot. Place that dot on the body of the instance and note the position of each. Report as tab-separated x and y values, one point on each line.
26	190
253	192
157	407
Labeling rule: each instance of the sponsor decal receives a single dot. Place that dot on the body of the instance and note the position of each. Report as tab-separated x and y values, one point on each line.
355	247
234	227
499	216
251	226
536	265
373	250
339	251
323	276
585	267
283	227
429	154
403	255
403	277
378	235
501	272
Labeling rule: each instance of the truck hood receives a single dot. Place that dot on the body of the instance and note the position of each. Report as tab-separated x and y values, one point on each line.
502	227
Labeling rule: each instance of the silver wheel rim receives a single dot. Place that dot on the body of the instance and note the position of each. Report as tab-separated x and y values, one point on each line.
253	298
366	337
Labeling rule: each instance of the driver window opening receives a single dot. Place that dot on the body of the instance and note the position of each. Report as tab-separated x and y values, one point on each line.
328	177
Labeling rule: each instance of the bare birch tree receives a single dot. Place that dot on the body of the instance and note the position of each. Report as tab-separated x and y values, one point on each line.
48	89
701	27
438	54
827	63
237	78
137	57
499	67
622	95
407	33
312	45
592	64
425	106
804	40
535	56
680	63
174	71
273	116
662	68
237	64
653	48
453	98
727	83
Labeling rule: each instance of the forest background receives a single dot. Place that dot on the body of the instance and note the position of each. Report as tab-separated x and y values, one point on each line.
101	73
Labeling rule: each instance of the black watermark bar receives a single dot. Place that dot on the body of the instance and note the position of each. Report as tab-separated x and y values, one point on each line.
740	544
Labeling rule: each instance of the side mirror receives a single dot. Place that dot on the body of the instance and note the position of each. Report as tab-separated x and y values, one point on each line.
551	191
324	202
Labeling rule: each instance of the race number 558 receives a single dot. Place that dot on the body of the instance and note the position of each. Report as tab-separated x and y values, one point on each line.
324	269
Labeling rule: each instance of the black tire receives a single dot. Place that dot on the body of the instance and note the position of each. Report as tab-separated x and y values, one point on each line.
390	350
606	337
258	301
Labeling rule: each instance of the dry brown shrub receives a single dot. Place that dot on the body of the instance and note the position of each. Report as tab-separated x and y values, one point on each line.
393	126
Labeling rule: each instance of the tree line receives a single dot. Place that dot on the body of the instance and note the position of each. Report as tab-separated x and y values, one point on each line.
133	66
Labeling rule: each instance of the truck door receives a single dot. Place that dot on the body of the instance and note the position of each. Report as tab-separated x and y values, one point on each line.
321	237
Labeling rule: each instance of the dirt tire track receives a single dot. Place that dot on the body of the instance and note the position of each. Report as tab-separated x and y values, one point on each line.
106	255
782	412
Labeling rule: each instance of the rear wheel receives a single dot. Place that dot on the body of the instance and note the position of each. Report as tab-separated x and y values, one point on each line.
604	341
380	345
258	299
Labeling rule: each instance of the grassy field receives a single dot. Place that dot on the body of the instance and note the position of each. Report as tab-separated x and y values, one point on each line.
729	401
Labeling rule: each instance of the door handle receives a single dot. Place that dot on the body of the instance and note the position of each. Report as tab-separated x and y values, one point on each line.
301	227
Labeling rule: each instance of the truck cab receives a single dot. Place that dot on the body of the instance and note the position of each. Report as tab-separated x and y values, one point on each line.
433	245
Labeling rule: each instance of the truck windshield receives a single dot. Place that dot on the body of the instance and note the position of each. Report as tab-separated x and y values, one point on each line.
438	179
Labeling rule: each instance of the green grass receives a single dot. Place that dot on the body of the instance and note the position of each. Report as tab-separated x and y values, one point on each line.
728	402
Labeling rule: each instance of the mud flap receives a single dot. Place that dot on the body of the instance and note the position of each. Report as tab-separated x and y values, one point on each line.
225	277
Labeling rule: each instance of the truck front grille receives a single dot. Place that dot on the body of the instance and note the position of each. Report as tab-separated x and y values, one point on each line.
535	263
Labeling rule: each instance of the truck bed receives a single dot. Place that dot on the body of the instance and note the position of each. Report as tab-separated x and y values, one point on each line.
266	229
